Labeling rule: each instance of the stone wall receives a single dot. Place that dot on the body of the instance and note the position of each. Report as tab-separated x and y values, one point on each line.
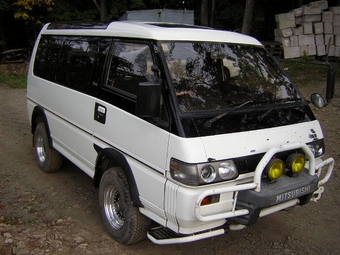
311	30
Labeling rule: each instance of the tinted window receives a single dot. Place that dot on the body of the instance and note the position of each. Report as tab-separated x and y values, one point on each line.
129	64
47	57
76	63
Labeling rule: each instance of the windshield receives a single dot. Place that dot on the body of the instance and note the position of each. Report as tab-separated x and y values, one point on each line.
216	76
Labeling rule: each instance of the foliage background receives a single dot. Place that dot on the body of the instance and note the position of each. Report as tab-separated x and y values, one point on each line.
21	20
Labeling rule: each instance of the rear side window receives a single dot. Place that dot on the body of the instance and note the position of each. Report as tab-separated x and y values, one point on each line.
46	58
76	62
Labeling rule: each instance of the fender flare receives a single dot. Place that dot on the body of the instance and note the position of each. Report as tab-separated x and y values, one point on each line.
116	159
39	111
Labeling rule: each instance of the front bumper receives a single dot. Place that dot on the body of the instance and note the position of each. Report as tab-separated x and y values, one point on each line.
261	196
254	198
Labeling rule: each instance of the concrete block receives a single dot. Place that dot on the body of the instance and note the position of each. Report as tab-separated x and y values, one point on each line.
329	39
278	39
298	30
285	42
335	9
319	39
327	17
299	20
307	28
277	33
284	17
298	12
327	27
318	28
286	24
336	19
323	5
294	41
311	10
336	29
312	50
309	50
312	18
291	52
337	40
287	32
337	51
330	50
306	39
304	50
320	50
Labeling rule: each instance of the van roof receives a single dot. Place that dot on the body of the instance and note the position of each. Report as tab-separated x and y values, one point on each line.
148	30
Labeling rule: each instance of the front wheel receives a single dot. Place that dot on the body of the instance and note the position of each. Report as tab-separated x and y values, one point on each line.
122	220
48	158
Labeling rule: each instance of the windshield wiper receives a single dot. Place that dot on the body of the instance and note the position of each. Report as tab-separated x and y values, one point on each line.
278	103
208	123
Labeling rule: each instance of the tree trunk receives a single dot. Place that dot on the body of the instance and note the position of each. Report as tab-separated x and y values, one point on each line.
102	9
204	13
248	17
213	6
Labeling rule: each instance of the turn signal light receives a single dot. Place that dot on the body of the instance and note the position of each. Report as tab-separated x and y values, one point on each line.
210	200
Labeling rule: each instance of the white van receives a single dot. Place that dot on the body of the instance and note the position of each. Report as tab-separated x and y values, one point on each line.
168	133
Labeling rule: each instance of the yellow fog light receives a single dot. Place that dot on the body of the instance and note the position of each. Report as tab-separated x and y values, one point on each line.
296	163
274	169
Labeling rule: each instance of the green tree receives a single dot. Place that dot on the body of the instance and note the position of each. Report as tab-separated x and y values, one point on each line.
33	10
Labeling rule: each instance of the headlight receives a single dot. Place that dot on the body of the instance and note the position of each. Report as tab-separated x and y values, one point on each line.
200	174
227	170
208	173
317	147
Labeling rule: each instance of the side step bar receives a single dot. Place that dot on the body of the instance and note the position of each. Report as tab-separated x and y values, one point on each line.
162	235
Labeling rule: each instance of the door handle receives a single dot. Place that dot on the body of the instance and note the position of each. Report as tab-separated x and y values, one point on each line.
100	113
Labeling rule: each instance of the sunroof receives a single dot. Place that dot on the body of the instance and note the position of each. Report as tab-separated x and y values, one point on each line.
79	25
174	25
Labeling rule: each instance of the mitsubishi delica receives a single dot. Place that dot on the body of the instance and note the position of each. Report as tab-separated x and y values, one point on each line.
188	132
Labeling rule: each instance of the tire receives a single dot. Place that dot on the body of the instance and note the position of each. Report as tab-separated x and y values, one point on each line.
121	219
49	160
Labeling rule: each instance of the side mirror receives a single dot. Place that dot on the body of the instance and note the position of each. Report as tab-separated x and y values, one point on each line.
148	99
330	85
317	100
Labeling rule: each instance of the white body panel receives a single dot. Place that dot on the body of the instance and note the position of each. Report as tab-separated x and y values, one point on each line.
149	149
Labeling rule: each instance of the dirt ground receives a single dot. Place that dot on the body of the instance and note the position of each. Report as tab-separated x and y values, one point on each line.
59	214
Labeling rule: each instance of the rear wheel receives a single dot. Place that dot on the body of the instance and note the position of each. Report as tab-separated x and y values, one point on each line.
122	220
48	158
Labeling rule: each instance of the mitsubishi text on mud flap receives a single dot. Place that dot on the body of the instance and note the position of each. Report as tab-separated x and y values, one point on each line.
198	130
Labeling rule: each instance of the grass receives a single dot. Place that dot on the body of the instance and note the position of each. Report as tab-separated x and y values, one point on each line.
304	72
14	81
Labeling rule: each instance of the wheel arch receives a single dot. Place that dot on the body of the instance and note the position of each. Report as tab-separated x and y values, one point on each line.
38	116
110	158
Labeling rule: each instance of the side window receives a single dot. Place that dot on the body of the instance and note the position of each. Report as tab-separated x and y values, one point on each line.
76	63
129	64
47	56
